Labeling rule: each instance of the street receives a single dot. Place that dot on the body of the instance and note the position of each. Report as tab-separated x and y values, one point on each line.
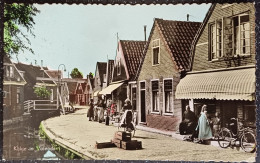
74	130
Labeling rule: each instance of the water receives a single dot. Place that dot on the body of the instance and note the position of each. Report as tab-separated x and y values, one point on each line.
22	142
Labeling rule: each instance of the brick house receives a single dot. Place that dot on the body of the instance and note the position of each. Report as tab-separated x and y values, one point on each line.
13	93
223	64
81	96
127	61
89	89
32	75
166	58
100	78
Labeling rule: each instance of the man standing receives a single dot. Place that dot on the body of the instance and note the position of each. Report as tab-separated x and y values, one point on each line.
188	124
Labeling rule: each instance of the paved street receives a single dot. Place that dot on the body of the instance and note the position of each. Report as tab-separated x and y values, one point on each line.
74	130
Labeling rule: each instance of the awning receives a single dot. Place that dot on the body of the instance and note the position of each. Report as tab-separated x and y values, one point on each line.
96	93
110	88
236	84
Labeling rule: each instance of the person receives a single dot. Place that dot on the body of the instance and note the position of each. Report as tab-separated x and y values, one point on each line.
216	124
96	111
203	127
91	110
127	116
188	124
101	107
127	105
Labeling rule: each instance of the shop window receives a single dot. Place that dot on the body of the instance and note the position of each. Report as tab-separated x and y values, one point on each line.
249	113
229	37
155	96
168	96
156	52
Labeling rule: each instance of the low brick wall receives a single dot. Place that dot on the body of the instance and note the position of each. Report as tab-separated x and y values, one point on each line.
168	123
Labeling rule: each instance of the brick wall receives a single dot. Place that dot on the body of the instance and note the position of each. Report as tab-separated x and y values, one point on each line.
201	61
166	69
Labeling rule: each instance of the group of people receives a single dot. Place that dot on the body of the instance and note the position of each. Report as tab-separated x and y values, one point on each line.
96	111
201	128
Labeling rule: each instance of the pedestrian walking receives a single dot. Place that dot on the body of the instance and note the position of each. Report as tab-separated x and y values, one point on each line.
101	108
96	111
90	114
216	124
203	126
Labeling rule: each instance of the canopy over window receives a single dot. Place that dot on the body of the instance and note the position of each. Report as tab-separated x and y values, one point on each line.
233	84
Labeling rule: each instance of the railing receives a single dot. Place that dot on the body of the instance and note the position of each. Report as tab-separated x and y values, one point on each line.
40	105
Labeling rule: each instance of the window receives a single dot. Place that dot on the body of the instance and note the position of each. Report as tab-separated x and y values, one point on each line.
11	72
4	94
104	78
168	96
230	37
155	96
51	96
156	52
119	67
18	96
249	113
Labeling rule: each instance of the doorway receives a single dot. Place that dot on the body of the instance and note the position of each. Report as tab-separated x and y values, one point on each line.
142	102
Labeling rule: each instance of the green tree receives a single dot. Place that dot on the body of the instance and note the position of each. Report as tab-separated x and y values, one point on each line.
91	75
75	73
18	18
42	92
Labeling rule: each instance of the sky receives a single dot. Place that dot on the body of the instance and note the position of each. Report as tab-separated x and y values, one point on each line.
79	36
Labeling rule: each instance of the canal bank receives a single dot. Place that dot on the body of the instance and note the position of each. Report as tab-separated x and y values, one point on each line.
77	134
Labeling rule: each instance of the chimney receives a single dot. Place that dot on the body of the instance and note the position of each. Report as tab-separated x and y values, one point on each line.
188	17
145	33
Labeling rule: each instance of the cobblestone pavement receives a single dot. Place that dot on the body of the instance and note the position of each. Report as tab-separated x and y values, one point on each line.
74	130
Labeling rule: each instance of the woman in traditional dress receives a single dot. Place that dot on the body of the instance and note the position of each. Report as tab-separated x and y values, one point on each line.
203	126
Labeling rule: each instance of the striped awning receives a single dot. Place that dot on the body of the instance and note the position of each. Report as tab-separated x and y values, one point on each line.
95	94
236	84
110	88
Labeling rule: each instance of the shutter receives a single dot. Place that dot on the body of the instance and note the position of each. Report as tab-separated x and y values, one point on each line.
228	37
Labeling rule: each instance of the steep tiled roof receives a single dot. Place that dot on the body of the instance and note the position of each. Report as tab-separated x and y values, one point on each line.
53	73
110	66
133	52
178	37
102	67
72	87
32	72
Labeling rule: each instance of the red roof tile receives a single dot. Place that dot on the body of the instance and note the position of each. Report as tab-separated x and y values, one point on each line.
178	35
133	52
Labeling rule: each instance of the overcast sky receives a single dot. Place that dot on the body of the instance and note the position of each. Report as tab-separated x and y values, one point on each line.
79	36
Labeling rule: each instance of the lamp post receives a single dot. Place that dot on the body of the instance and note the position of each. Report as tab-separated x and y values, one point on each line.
59	82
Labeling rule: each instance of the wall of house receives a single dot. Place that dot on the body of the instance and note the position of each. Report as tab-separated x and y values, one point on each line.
11	107
166	69
119	58
201	58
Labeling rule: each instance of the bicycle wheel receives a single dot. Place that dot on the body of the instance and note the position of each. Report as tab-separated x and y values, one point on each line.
248	142
224	138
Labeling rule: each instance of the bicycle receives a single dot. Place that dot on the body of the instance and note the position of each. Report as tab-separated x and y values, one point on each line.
127	121
245	137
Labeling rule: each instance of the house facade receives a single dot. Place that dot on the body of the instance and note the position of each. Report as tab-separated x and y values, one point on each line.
223	64
33	75
89	89
166	58
100	78
13	93
125	66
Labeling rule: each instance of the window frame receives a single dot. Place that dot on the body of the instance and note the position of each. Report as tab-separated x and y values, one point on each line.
159	51
151	98
223	34
18	95
164	107
119	67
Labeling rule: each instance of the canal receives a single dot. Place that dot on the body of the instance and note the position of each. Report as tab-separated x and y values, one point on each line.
22	142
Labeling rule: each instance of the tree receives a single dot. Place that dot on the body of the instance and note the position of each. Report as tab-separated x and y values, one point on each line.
91	75
42	92
75	73
17	18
